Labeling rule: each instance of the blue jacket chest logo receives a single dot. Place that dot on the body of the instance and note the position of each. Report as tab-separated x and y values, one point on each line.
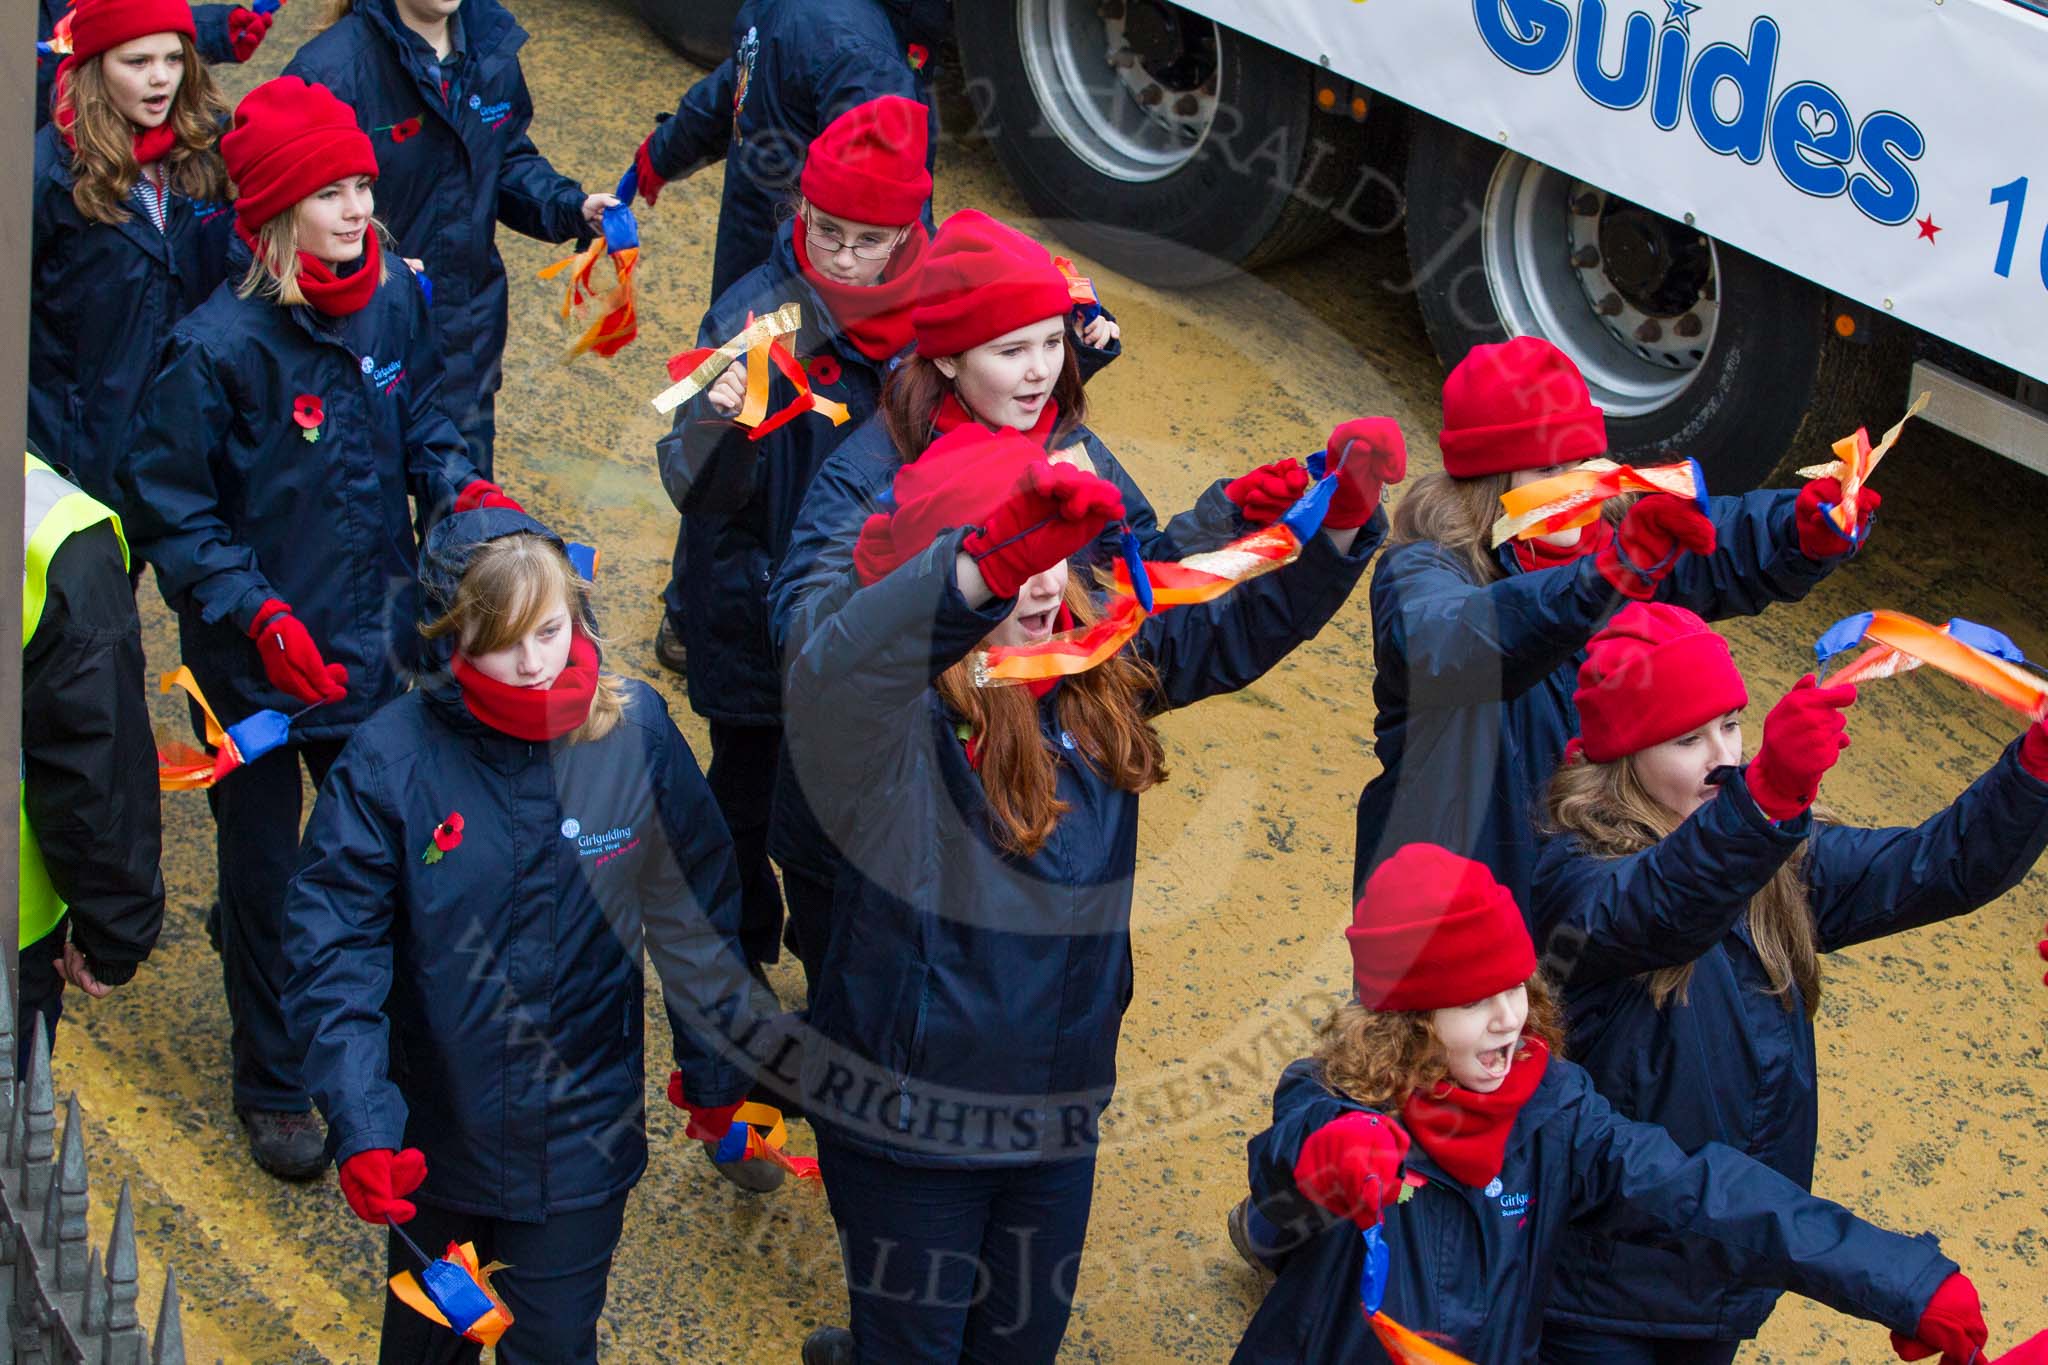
384	377
604	847
490	115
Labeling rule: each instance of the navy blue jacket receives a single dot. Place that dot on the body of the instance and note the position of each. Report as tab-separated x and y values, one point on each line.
103	298
816	576
211	43
451	169
968	1010
487	1007
230	502
1734	1064
1472	1268
739	498
1473	682
796	66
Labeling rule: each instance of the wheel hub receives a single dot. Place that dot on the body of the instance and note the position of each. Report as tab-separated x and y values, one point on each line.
1129	85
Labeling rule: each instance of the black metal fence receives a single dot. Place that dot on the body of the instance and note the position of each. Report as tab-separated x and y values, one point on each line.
61	1303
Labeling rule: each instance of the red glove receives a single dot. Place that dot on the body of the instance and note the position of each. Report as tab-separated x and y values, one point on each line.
2032	1351
1265	494
1655	532
649	182
1056	510
2042	949
2034	751
375	1183
1378	457
1818	537
1952	1323
706	1125
1803	736
483	493
291	660
245	31
1352	1166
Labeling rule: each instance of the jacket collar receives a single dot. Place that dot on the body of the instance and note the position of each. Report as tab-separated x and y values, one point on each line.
486	25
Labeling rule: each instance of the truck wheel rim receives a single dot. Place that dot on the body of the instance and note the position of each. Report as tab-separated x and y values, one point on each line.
1128	85
1632	297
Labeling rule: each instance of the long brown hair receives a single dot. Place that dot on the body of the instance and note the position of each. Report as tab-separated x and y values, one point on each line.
274	263
1104	710
912	393
1380	1058
510	586
333	13
1459	515
103	165
1606	806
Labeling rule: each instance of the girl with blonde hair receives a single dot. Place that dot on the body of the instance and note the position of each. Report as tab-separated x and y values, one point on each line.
1687	899
490	857
291	431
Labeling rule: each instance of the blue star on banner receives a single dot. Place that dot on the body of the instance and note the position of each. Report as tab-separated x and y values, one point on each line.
1680	12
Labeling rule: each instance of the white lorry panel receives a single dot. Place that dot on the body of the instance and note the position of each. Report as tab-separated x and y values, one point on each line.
1895	151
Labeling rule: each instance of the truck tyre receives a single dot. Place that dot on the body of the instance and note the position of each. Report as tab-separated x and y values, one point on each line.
1165	145
700	30
1692	347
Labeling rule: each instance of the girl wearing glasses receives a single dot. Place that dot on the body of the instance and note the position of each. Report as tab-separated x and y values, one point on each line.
852	260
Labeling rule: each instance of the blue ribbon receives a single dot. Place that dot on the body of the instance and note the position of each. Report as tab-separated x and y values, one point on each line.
621	228
583	559
1372	1276
1305	518
1134	560
1841	637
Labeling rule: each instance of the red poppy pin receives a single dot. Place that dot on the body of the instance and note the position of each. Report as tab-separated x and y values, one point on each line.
824	369
308	413
919	54
403	129
447	838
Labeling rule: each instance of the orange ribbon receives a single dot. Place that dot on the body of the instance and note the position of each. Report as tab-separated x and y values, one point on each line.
760	342
1198	578
486	1329
1902	643
1574	498
1855	459
1080	288
180	767
618	322
1406	1347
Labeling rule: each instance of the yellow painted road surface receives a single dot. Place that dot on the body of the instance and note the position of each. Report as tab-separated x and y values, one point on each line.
1935	1084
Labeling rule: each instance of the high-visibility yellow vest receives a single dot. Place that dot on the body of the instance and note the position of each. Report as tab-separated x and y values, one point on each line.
53	510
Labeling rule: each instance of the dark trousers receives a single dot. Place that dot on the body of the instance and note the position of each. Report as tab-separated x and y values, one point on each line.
810	920
256	828
553	1282
946	1265
672	594
742	781
41	994
1582	1346
479	428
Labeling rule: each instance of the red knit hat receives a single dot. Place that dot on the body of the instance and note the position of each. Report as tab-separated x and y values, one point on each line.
868	165
983	278
1655	672
1519	404
290	139
97	25
961	478
1434	930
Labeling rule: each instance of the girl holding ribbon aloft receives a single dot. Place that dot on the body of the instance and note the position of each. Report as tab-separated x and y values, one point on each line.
1475	648
1687	899
131	226
963	1029
1438	1119
851	260
292	423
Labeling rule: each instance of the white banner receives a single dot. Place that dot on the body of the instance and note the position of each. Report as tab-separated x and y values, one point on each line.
1895	151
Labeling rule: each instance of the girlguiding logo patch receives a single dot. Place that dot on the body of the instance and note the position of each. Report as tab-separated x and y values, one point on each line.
571	827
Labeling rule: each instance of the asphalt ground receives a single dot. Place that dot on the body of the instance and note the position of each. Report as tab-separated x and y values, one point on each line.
1935	1083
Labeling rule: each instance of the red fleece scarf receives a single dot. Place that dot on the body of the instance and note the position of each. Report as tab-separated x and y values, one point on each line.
951	412
1465	1132
335	295
1538	554
150	143
875	318
534	713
